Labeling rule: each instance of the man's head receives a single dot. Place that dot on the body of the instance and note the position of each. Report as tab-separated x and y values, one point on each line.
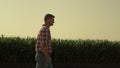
49	19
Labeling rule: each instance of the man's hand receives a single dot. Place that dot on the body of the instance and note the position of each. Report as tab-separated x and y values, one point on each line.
44	49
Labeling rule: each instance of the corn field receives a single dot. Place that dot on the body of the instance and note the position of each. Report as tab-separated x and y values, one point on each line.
21	50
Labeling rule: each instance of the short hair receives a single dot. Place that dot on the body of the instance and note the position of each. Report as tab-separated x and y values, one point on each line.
47	16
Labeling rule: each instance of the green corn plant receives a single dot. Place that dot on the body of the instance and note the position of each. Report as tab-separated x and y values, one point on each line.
19	50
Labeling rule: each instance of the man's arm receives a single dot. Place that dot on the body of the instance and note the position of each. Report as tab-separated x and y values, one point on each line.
44	40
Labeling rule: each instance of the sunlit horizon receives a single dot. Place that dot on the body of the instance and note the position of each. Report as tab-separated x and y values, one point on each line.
74	19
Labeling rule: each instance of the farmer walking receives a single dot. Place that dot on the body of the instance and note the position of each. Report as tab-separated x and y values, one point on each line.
43	44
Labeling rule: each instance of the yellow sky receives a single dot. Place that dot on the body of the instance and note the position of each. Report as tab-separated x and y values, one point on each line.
74	19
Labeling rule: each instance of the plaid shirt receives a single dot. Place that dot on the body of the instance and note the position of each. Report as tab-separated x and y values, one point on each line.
44	39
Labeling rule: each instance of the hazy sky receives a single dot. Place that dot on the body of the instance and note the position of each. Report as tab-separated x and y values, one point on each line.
74	19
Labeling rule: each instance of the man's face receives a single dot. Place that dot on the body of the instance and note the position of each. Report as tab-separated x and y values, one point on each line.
50	21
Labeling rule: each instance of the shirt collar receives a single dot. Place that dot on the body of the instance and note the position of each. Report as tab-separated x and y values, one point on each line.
46	25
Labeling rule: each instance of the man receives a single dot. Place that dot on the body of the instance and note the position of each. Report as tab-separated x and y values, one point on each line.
43	45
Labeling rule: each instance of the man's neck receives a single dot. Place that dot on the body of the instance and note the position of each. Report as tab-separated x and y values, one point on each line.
46	25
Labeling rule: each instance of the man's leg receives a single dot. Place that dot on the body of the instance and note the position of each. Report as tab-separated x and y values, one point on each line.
40	65
40	61
50	63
